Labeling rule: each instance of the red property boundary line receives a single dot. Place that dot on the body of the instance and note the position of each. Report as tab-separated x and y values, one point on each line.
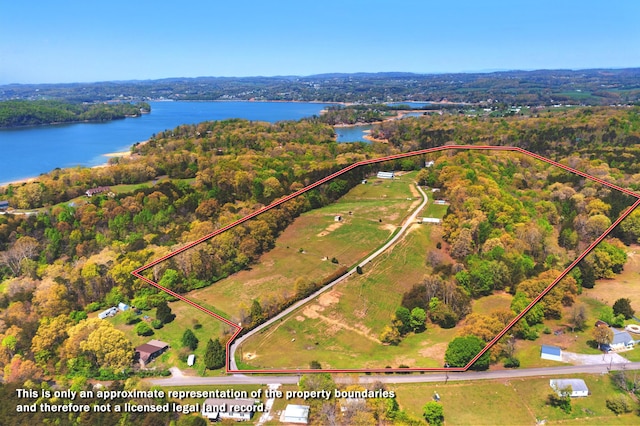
138	272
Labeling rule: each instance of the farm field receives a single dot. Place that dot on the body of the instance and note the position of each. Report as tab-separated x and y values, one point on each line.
521	402
370	214
346	322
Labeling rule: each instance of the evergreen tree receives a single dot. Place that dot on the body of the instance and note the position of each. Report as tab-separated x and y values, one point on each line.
623	307
214	356
163	313
189	340
257	316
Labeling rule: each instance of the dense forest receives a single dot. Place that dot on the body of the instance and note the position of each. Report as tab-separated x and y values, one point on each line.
33	113
509	215
542	87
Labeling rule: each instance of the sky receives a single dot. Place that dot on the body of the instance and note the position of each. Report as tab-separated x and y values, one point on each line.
62	41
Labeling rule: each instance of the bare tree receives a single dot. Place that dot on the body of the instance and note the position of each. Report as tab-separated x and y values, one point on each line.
24	248
578	317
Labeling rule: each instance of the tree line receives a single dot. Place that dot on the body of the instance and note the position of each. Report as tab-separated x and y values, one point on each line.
16	113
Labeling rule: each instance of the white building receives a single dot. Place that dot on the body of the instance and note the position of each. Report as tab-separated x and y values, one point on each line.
386	175
108	313
431	220
216	409
295	414
552	353
578	387
622	340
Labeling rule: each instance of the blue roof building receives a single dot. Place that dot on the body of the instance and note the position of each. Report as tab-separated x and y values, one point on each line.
552	353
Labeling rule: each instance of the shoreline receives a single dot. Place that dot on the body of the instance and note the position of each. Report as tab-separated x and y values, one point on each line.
108	156
63	123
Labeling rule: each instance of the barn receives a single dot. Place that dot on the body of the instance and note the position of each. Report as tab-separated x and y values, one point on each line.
386	175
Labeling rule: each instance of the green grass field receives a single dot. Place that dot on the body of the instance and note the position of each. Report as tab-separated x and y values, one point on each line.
435	210
512	402
186	317
345	323
370	214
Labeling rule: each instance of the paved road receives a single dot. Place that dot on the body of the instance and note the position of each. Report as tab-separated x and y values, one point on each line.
240	379
407	223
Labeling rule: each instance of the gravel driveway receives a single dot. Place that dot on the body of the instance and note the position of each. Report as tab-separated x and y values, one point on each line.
582	359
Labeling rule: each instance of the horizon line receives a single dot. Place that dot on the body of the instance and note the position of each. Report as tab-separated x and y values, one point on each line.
336	73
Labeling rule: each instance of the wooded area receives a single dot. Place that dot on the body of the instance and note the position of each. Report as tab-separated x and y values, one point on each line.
513	223
17	113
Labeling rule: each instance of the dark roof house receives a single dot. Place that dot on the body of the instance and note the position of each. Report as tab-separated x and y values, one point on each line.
4	204
151	350
93	191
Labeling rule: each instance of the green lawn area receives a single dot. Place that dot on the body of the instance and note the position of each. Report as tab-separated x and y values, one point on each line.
370	214
488	304
512	402
342	325
435	210
171	333
528	352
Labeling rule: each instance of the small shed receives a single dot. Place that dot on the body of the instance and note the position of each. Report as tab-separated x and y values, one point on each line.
552	353
578	387
337	218
123	306
191	360
296	414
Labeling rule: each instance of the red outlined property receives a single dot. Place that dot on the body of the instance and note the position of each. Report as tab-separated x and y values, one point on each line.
138	272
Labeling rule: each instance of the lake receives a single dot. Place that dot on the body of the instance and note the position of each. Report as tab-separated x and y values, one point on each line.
28	152
352	133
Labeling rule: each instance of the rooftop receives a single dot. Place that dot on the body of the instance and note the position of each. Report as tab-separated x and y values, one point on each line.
577	385
551	350
620	337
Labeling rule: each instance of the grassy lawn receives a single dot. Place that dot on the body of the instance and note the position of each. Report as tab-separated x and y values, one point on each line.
626	284
488	304
528	352
435	210
370	214
512	402
343	324
171	333
605	292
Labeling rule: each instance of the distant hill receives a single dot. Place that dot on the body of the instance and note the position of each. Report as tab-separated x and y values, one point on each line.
539	87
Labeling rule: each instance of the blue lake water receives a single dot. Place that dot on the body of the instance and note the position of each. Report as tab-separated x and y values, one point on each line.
352	133
28	152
